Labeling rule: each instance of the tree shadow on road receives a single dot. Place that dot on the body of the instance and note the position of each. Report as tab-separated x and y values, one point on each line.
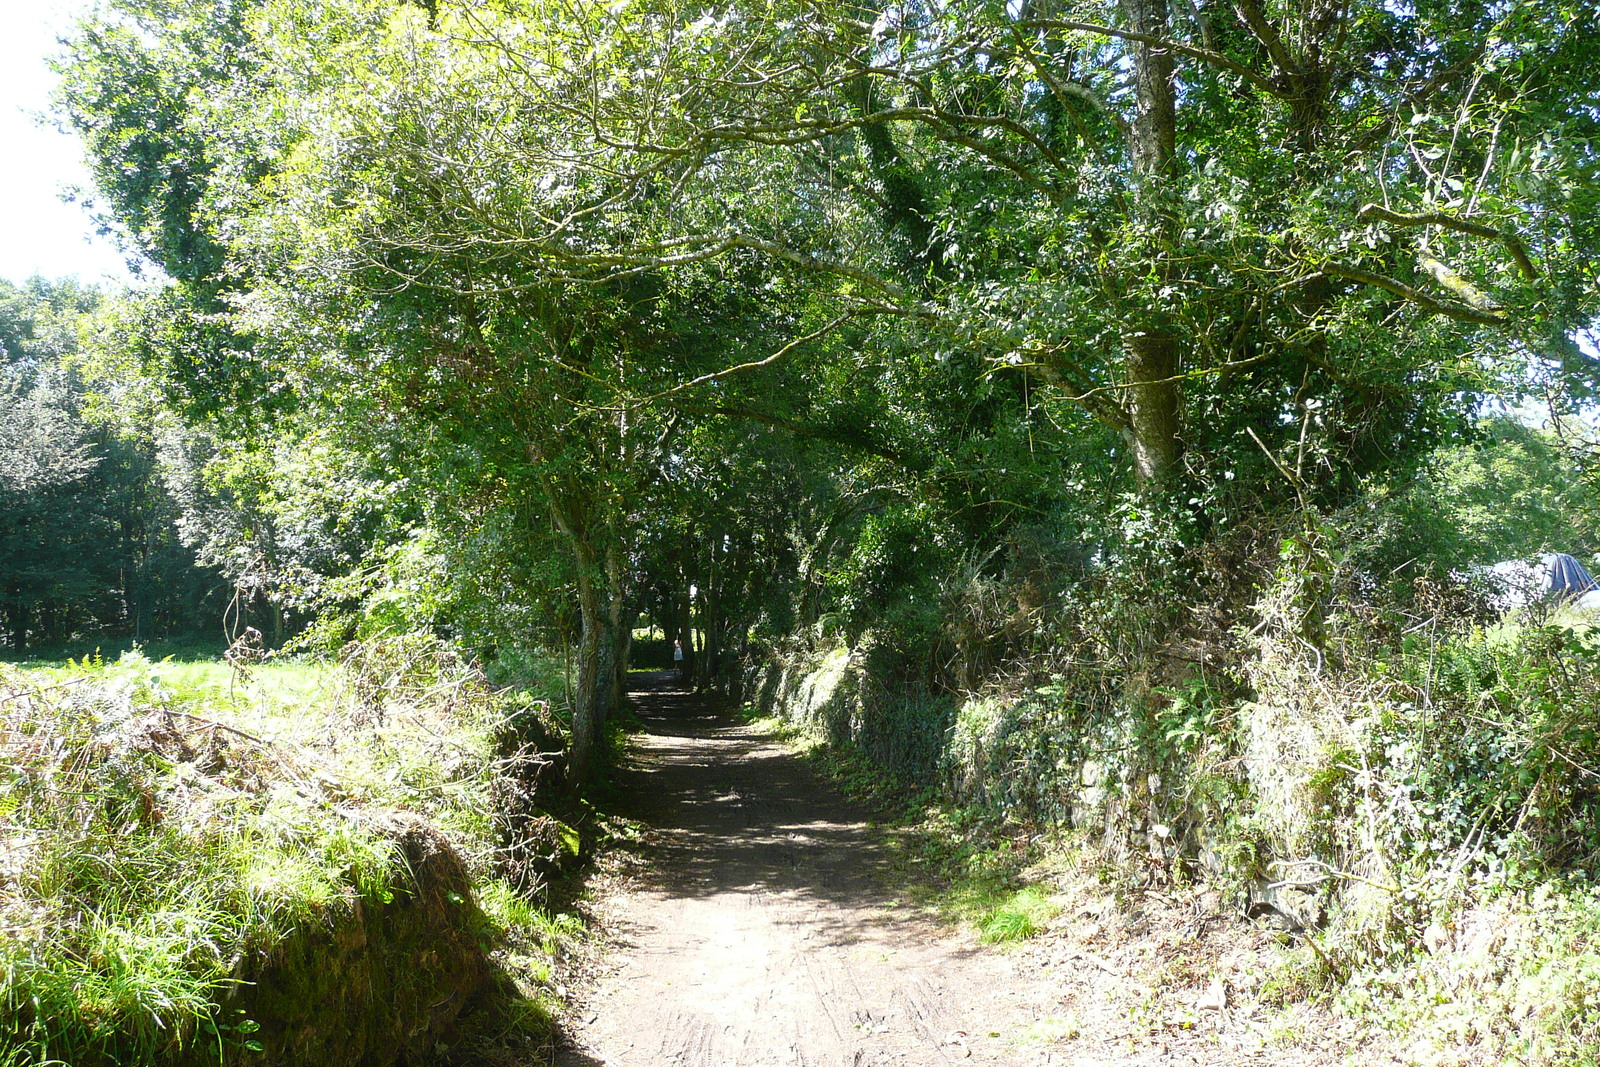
726	810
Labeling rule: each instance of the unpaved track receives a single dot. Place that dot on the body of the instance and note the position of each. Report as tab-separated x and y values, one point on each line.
762	933
763	936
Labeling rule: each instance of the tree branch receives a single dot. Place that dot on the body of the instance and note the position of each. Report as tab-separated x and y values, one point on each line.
816	433
714	376
1519	253
1264	32
1065	87
1205	55
1416	97
1451	280
1459	312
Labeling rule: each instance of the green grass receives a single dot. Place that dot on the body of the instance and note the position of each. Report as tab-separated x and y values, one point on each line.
1018	916
964	873
779	729
149	846
159	821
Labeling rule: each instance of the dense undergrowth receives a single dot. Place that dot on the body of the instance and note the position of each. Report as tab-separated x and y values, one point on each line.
165	828
1413	786
1438	799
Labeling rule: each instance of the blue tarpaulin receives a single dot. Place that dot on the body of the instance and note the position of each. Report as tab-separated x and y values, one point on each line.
1566	576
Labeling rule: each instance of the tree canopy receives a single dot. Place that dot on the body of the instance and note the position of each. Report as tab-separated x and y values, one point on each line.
859	290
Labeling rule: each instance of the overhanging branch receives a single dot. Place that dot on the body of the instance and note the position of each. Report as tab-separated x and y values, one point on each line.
1459	312
1513	243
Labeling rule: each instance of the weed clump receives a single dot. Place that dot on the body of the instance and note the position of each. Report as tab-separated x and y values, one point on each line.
1441	792
1019	918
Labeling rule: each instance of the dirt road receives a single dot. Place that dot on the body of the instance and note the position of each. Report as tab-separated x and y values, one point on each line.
762	933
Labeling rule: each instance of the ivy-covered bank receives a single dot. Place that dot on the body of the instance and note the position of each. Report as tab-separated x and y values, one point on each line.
1421	809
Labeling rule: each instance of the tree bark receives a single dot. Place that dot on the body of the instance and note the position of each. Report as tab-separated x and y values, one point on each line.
686	607
1151	353
614	645
586	710
1151	361
706	667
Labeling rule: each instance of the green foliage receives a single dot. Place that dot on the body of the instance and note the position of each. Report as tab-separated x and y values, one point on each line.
89	541
1512	493
622	336
1503	744
1445	784
890	579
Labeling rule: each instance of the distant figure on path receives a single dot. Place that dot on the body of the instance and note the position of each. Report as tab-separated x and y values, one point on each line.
677	657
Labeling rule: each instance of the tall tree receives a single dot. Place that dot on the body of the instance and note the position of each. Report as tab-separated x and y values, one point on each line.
88	539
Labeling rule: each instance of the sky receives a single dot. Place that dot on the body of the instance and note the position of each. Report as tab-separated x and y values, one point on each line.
39	234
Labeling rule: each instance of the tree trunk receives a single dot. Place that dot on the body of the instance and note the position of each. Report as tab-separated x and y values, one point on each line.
1151	350
707	666
710	605
686	612
1151	361
614	644
624	651
586	709
597	586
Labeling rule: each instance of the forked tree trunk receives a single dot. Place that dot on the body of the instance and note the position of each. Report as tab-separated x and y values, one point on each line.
599	588
602	654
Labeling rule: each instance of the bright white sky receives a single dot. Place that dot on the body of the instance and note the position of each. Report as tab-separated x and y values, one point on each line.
39	234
